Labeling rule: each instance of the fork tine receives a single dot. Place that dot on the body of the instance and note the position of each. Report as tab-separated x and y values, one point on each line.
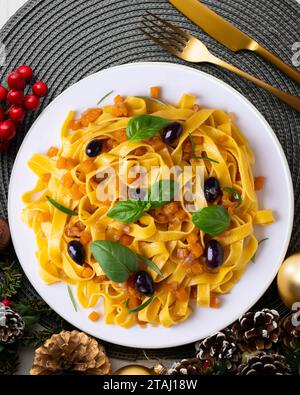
175	37
166	47
174	28
172	42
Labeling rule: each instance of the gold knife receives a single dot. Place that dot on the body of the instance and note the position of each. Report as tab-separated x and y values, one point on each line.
227	34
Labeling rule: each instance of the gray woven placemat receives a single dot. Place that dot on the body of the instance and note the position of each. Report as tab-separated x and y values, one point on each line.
66	40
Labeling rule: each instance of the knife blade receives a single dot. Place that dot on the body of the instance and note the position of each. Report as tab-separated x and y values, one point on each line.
227	34
214	25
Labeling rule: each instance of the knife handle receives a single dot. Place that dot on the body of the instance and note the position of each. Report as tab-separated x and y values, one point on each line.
280	64
293	101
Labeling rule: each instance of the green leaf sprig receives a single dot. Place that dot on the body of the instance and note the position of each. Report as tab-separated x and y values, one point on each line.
152	99
140	307
234	194
212	220
194	156
60	207
129	211
142	127
260	241
104	97
118	261
72	298
151	264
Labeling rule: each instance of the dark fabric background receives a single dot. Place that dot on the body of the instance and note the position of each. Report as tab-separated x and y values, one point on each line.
66	40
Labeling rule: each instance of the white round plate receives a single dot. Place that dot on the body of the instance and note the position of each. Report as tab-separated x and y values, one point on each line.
136	79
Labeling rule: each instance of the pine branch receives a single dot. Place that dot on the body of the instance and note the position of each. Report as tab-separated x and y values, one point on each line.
10	280
293	357
36	338
216	370
32	310
9	361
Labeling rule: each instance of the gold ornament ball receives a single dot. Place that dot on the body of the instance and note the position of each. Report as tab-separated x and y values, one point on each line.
136	370
133	370
288	280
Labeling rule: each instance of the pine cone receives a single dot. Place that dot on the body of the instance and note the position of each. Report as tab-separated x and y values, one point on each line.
70	353
256	331
263	364
191	366
11	325
4	234
289	332
221	349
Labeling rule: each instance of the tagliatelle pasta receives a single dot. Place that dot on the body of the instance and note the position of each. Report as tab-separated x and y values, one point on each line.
167	235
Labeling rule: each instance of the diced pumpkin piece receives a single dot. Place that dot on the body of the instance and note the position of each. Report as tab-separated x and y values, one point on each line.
94	316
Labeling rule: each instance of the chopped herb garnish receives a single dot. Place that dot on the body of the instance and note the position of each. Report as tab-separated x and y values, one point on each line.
72	298
152	99
260	241
194	156
104	97
140	307
151	264
60	207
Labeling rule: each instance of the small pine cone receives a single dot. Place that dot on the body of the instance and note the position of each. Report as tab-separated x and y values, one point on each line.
264	364
191	366
256	331
11	325
70	353
221	349
289	329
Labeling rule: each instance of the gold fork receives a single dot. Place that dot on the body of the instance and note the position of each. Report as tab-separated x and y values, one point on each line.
191	49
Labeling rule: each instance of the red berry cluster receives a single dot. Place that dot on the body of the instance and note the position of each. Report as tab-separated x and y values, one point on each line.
13	103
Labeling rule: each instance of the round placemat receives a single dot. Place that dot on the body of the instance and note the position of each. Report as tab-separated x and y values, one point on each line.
64	41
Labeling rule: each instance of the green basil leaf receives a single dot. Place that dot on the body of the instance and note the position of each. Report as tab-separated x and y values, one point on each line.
140	307
234	194
128	211
260	241
162	192
142	127
72	298
60	207
104	97
116	260
151	264
212	220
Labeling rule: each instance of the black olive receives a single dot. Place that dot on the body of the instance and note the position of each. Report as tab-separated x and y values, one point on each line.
214	254
137	194
172	132
144	283
212	189
93	148
76	252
